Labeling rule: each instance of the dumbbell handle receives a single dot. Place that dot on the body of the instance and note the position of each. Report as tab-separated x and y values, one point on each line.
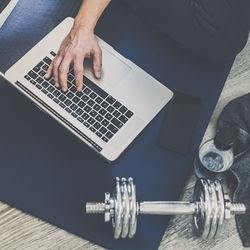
164	208
167	207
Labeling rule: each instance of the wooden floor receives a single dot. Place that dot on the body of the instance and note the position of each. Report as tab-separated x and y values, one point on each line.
22	231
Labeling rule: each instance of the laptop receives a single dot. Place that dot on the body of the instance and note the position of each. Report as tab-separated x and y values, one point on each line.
108	113
6	7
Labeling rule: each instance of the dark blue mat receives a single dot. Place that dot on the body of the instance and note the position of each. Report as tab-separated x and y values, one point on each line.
50	174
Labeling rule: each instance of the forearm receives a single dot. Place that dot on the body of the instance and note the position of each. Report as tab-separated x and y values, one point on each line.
89	14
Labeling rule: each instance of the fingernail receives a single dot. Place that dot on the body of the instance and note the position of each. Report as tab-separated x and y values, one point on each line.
98	74
64	89
79	89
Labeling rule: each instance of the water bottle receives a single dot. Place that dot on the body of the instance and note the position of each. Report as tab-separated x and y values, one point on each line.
216	155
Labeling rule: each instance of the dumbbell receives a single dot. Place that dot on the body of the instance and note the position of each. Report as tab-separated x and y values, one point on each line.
209	209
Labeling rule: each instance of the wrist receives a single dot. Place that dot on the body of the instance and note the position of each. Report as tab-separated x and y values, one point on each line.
83	26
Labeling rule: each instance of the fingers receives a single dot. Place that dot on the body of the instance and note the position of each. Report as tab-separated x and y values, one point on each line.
56	63
63	72
49	71
78	70
97	63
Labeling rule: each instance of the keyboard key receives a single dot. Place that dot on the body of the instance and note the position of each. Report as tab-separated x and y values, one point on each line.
98	134
110	99
93	95
123	119
85	116
38	86
87	108
68	110
97	107
79	94
56	93
56	100
47	60
117	123
73	89
112	128
62	98
69	84
36	69
69	95
105	122
116	113
91	120
81	104
74	114
110	109
95	88
73	107
87	91
103	130
105	139
68	102
70	77
99	118
39	80
86	124
32	74
91	103
45	91
50	96
53	53
79	112
129	114
45	67
62	105
97	125
52	81
93	113
27	77
75	99
102	111
92	129
51	89
33	82
80	119
109	135
98	99
108	116
40	64
45	84
123	109
42	73
104	104
85	98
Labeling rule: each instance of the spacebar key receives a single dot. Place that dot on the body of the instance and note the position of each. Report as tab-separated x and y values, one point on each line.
94	87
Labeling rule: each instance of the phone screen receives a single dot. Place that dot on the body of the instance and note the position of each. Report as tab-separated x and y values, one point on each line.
179	123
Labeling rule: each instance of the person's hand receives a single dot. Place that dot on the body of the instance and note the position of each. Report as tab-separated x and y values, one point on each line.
78	45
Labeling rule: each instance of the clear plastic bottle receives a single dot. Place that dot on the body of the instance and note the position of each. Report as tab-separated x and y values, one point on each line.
214	159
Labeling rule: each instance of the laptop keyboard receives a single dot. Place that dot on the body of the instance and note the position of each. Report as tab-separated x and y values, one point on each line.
101	113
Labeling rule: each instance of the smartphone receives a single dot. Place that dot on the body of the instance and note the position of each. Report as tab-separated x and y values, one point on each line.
180	119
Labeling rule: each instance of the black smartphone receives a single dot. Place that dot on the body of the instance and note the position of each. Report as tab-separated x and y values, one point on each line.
179	123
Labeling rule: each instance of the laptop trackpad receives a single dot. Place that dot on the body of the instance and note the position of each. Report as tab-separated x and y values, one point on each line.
133	128
113	69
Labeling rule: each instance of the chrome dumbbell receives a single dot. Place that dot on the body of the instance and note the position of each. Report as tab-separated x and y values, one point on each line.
209	209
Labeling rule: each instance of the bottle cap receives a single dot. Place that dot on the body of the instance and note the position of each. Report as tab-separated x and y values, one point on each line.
224	139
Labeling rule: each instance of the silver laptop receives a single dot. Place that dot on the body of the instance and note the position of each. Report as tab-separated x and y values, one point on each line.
108	113
5	10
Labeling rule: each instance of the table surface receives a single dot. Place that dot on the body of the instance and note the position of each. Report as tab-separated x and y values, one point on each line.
21	231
